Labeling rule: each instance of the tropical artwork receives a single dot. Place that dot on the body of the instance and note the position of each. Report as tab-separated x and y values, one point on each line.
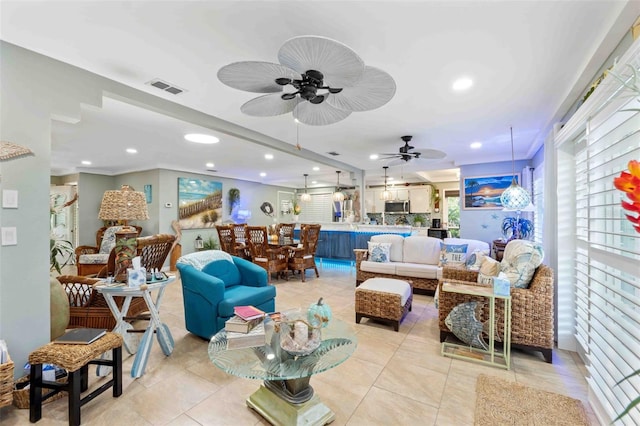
199	203
484	192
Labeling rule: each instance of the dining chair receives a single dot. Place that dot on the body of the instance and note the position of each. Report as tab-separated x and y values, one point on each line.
272	259
302	257
239	230
227	238
285	231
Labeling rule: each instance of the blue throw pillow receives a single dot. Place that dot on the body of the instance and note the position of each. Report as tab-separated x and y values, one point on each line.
453	254
379	252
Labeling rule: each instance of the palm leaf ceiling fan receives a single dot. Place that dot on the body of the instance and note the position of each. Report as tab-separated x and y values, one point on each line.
327	81
405	153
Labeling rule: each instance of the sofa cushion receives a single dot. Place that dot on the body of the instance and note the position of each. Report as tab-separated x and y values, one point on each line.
241	295
378	267
521	258
225	270
472	245
94	259
379	252
388	285
453	254
419	270
421	249
397	242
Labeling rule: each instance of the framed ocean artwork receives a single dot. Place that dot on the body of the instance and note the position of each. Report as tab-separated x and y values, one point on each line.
483	192
199	203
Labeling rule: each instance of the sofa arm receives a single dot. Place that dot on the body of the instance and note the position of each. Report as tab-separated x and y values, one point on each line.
361	254
251	274
450	273
207	286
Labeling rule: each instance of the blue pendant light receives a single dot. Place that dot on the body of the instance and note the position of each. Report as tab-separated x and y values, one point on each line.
514	197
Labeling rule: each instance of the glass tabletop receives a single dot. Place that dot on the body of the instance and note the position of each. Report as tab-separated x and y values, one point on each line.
270	362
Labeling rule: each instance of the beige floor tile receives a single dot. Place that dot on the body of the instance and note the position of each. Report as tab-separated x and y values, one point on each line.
399	376
381	407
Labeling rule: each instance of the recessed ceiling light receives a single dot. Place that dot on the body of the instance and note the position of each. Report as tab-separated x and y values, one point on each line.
263	174
132	150
373	157
476	145
316	168
390	178
86	163
313	182
210	165
268	156
461	84
201	138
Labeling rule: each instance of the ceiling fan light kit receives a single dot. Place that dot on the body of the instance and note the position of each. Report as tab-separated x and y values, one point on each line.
405	153
323	82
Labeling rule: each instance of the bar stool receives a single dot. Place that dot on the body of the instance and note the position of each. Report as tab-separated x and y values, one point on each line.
75	359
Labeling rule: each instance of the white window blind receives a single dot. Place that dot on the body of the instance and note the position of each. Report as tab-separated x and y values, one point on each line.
318	209
607	259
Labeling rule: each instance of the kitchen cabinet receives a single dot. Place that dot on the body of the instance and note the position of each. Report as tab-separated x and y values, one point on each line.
400	194
420	198
373	201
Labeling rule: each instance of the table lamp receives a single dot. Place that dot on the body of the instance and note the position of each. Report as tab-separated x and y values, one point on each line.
124	205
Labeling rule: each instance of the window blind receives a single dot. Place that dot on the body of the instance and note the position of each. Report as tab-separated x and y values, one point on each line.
318	209
607	258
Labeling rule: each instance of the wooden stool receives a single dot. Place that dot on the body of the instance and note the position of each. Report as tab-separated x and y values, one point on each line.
75	359
384	299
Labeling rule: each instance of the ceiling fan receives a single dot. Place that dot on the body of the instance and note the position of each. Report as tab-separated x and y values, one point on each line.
405	153
323	82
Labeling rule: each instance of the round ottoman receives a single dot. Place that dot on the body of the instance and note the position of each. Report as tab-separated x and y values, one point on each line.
384	299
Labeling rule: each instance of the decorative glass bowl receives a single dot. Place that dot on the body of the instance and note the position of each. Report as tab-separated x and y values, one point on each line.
297	336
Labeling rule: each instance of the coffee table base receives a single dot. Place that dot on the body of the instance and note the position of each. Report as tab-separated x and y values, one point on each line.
277	411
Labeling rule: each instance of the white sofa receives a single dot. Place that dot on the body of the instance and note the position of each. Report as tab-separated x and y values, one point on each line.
413	258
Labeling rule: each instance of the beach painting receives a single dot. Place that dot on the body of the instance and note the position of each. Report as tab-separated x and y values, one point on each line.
483	192
199	203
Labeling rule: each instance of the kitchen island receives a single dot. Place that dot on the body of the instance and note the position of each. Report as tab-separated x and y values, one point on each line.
337	240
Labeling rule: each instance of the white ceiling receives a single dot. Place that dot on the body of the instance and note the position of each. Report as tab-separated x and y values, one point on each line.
528	60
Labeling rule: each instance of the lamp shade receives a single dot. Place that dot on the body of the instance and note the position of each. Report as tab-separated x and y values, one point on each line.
338	195
305	197
123	204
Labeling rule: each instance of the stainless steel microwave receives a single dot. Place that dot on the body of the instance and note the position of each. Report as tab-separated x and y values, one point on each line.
397	207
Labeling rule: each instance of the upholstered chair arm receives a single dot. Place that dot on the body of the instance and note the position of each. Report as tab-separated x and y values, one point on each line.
251	274
459	274
80	250
197	282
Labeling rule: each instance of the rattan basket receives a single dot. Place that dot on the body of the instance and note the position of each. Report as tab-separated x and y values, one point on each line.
21	396
6	383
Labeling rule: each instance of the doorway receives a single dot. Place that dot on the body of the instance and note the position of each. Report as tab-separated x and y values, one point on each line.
451	212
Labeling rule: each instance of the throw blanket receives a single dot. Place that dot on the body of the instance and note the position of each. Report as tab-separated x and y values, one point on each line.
201	258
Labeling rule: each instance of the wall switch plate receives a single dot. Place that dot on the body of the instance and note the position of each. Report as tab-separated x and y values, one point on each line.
9	236
9	198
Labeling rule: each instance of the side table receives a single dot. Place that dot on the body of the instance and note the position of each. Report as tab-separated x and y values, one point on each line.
155	326
497	249
491	357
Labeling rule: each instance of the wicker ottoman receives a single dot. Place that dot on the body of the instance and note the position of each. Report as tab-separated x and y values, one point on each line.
384	299
75	359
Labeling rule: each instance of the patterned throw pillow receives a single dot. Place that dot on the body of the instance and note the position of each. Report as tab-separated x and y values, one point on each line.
474	260
109	239
488	269
521	258
379	252
451	254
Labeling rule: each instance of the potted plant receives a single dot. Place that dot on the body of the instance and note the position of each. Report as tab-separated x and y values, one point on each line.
419	220
516	228
60	254
297	209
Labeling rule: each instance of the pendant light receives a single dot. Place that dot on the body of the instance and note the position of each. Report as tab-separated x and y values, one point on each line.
514	197
338	195
305	197
386	194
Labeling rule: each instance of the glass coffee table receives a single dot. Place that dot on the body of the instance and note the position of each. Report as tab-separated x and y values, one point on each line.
285	397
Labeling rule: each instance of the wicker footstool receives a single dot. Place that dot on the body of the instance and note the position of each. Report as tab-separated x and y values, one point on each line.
75	359
384	299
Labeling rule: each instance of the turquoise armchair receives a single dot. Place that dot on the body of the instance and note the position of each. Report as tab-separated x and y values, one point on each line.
211	294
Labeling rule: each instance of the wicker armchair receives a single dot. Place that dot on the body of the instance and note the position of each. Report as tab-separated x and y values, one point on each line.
88	266
271	259
532	310
153	251
228	240
285	230
303	257
88	308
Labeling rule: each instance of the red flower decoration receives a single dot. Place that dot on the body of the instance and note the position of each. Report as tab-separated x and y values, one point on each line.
630	183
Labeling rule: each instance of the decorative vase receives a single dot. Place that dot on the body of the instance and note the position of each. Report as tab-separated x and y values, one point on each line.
297	336
296	217
58	307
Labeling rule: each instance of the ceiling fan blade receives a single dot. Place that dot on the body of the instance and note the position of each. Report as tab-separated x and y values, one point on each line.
269	105
375	89
255	76
317	100
432	154
318	114
341	66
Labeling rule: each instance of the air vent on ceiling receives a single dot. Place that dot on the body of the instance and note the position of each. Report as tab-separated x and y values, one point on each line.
212	170
333	153
167	87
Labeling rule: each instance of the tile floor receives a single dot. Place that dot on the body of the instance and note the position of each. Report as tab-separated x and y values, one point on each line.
392	378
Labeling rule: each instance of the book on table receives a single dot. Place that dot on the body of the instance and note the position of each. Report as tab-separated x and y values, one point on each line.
255	337
81	336
248	312
238	325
